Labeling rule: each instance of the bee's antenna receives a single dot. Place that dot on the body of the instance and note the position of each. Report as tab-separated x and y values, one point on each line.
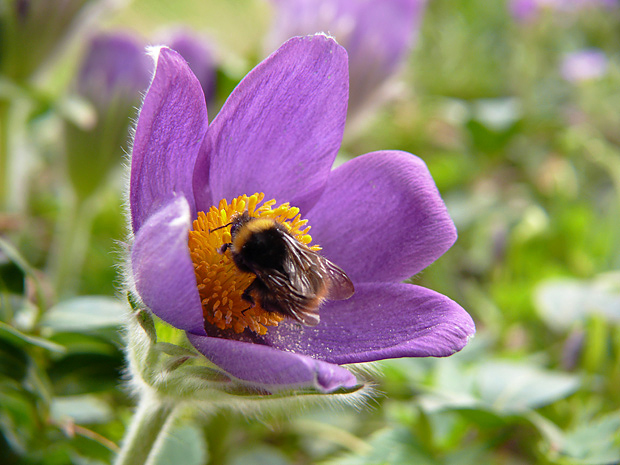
220	227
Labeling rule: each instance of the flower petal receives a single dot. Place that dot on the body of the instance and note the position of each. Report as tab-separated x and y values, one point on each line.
381	218
271	369
171	127
163	270
281	128
380	321
199	57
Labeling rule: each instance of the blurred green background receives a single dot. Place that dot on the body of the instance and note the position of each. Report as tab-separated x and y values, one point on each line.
528	163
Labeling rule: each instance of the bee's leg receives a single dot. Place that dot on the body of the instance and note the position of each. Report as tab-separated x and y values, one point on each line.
224	248
247	295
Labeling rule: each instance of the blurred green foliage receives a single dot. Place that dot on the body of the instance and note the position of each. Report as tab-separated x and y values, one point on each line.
529	166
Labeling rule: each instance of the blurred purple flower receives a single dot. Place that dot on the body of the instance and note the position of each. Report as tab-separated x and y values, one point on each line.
198	55
524	10
112	76
584	65
114	67
528	10
377	34
379	217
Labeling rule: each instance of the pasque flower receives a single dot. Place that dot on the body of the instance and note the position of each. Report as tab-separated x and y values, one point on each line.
377	34
112	76
379	217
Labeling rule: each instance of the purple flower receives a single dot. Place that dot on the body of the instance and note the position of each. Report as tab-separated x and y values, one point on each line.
377	34
198	55
113	74
379	217
584	65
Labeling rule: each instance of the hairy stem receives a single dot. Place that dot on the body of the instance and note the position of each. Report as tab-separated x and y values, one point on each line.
149	422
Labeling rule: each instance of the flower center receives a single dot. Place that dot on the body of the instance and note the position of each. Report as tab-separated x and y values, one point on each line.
220	282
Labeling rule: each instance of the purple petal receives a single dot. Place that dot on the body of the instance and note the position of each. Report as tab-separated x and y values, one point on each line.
281	128
380	321
170	130
381	218
163	270
272	369
199	58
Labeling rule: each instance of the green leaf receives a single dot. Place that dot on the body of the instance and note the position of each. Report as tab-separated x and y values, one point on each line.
14	361
173	363
498	387
516	387
144	318
15	257
18	418
174	350
595	442
84	343
11	277
81	409
389	446
487	139
563	302
91	364
184	378
82	373
497	114
84	314
183	444
259	455
17	337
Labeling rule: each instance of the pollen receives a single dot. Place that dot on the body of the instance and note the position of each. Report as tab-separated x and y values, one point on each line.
220	283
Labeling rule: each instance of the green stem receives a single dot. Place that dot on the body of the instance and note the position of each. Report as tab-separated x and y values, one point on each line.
153	416
149	423
72	239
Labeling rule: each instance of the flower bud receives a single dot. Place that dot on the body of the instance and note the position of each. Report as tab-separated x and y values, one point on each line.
113	73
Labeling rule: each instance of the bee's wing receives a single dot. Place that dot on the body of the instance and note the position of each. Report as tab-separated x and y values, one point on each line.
288	297
312	274
339	286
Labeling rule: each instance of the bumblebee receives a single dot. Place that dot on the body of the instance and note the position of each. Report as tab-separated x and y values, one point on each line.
291	279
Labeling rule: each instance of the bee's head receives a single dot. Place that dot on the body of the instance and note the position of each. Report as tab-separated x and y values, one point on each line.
236	222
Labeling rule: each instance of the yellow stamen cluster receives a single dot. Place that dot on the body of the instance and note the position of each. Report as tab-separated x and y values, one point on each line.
220	282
